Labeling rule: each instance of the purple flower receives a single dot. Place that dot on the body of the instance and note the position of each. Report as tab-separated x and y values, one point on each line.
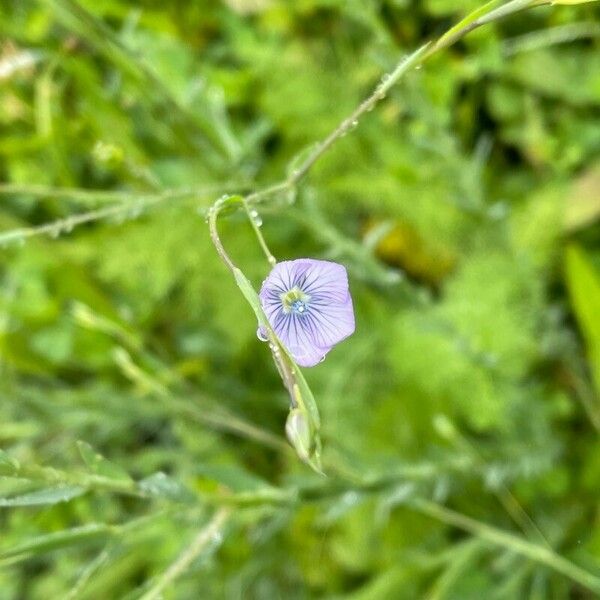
308	305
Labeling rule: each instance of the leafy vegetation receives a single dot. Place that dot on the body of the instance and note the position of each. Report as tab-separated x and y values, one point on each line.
142	430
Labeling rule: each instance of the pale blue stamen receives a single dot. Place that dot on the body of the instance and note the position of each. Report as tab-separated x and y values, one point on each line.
294	301
298	306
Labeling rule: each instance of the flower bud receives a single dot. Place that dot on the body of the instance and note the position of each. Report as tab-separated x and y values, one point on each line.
298	433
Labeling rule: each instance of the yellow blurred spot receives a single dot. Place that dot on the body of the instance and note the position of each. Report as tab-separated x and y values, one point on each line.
404	247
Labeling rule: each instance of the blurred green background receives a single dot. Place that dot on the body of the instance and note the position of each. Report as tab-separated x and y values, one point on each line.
135	397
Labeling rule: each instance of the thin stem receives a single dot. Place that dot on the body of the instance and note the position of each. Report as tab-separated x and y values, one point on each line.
261	195
512	506
589	400
213	215
88	481
537	553
87	573
459	562
367	105
414	60
252	217
55	228
132	204
488	13
187	557
550	37
96	33
220	418
91	196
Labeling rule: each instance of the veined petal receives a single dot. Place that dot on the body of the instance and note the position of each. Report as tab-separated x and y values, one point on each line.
328	324
321	277
326	316
301	346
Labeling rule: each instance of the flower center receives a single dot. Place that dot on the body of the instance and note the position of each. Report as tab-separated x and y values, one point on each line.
295	301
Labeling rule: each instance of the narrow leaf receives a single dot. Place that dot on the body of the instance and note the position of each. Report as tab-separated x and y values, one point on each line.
54	541
100	465
583	282
160	485
8	465
53	495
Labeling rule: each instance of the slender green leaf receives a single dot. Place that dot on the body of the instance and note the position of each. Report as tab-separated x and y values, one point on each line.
53	495
8	465
100	465
583	282
160	485
54	541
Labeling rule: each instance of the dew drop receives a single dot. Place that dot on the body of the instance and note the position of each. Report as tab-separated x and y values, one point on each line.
380	93
256	218
261	336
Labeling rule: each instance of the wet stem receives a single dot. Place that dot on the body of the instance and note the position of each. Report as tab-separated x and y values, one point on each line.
252	216
488	13
200	542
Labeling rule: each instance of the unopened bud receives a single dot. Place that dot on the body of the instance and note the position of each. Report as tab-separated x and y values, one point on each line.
298	433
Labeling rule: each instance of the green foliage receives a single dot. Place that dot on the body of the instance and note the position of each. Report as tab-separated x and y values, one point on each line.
584	287
142	429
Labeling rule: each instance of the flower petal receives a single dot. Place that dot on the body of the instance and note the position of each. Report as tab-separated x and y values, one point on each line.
329	317
327	323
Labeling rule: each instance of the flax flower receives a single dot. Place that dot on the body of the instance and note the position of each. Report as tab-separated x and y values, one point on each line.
308	305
